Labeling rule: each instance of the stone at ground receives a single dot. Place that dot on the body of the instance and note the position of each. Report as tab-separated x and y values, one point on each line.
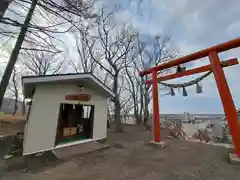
161	144
5	146
38	154
8	156
102	140
15	163
234	159
12	145
118	145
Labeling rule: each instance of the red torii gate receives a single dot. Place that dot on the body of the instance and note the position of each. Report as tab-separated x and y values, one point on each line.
217	67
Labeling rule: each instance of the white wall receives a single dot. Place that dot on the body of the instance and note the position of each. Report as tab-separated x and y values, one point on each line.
41	127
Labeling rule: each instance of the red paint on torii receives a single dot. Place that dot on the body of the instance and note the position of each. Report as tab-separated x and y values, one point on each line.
198	70
217	67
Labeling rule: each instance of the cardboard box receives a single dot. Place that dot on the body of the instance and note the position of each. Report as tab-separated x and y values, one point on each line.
70	131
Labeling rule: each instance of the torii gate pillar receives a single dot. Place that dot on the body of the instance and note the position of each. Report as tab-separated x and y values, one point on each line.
227	101
156	116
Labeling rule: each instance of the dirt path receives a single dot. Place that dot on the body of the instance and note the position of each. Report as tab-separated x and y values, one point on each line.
130	158
10	125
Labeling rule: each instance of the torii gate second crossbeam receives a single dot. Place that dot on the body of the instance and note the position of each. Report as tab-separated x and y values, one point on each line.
217	67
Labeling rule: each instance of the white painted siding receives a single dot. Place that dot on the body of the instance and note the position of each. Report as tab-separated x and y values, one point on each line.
41	128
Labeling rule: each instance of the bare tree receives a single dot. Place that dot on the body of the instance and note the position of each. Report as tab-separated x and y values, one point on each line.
15	52
14	89
132	87
84	61
125	97
61	9
85	46
145	56
134	83
110	46
16	93
161	51
42	63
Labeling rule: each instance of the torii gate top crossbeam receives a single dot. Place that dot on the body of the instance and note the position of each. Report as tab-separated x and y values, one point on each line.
201	69
197	55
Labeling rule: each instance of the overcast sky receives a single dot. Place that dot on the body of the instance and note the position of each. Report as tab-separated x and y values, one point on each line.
192	25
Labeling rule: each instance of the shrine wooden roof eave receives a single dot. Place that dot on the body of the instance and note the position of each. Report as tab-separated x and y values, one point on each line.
29	82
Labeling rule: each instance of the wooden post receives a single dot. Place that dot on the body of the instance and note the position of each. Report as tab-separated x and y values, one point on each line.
227	101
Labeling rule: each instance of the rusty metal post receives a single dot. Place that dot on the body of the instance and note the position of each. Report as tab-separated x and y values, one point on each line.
156	117
227	101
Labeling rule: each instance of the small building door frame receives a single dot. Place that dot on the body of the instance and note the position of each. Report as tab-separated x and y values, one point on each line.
91	118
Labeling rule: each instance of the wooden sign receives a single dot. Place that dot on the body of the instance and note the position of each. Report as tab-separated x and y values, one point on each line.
80	97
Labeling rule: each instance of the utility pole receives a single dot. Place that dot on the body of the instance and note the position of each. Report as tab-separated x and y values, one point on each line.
13	58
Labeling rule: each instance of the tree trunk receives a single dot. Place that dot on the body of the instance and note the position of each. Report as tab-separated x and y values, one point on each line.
141	100
134	96
117	105
15	84
136	115
16	99
14	55
146	111
24	107
136	108
118	124
15	106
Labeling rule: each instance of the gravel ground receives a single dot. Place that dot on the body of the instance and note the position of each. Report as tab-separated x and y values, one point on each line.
131	158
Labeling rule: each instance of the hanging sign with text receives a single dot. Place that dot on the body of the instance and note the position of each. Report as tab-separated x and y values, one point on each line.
78	97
